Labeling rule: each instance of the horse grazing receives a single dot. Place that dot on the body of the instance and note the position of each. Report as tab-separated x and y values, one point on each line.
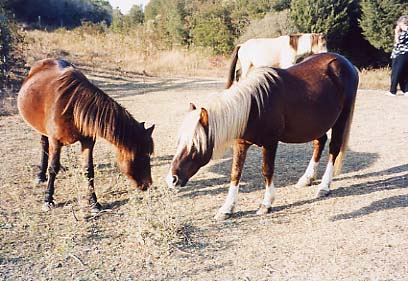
280	52
293	105
59	102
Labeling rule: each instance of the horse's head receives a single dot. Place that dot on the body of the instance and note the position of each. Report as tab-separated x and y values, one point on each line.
194	149
136	164
321	43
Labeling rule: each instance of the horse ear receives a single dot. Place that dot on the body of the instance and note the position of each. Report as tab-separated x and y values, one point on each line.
149	131
204	117
192	106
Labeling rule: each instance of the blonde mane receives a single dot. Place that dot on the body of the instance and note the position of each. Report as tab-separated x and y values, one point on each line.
228	113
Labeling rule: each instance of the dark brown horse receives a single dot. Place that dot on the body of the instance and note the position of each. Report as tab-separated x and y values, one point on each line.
58	101
296	105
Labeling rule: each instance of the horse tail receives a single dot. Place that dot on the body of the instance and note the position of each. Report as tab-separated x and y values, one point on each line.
338	164
231	73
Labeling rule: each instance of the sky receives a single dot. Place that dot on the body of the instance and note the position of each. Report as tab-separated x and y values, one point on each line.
125	5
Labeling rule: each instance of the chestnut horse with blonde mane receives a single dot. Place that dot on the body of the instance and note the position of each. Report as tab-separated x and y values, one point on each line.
283	51
294	105
60	103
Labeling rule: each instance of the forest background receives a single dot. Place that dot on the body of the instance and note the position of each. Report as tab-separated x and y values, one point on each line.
362	30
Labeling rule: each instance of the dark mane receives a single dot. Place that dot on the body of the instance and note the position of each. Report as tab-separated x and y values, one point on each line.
96	114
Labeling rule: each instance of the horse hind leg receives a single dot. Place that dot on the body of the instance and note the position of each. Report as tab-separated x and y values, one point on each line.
239	154
53	169
268	167
42	175
311	171
338	142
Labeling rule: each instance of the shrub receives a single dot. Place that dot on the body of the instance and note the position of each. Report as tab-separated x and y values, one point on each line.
11	49
328	16
272	25
378	21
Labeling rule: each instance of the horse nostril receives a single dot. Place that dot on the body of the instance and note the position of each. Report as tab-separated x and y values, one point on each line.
175	179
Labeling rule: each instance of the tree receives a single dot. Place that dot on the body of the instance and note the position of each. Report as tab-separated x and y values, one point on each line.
169	19
135	15
274	24
118	21
328	16
378	21
213	28
11	45
62	12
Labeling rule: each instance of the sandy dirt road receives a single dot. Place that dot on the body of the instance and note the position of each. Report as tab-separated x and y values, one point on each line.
360	232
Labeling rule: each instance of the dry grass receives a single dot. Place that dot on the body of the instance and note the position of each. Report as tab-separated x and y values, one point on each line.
137	53
378	79
134	53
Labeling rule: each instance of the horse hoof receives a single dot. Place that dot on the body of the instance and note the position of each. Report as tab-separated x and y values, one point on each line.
96	208
263	210
40	179
222	216
48	206
304	182
322	193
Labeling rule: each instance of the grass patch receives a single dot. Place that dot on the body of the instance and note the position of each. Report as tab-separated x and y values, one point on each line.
375	79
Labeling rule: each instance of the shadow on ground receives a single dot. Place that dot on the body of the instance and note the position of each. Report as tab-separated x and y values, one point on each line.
133	85
398	201
290	164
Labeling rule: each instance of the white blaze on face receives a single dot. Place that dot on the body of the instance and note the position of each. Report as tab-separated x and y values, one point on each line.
169	179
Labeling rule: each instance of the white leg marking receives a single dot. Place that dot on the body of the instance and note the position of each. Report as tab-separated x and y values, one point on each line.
269	197
327	179
231	201
309	176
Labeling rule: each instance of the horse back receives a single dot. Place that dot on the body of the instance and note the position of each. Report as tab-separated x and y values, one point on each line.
264	51
39	100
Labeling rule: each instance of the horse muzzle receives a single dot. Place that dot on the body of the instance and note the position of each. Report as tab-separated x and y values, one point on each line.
143	186
174	181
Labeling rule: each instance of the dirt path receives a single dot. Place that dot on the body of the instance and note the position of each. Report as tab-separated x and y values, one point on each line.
360	232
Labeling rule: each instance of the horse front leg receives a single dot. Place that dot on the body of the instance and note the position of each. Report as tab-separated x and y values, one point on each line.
311	172
268	168
87	146
42	175
53	169
239	154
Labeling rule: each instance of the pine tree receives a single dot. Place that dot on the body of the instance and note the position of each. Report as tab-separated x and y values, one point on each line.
378	21
328	16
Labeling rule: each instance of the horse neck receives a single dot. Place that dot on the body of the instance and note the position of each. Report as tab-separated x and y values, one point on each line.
305	44
98	115
227	116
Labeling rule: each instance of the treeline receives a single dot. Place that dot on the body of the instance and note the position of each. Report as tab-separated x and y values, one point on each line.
360	29
67	13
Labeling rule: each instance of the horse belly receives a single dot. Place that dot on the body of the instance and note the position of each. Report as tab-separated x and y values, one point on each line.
30	103
38	107
308	125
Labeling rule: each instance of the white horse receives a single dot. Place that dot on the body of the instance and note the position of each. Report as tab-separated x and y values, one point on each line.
279	52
